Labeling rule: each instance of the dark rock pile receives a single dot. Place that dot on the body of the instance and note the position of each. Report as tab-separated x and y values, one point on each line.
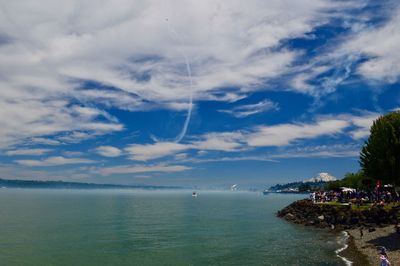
338	217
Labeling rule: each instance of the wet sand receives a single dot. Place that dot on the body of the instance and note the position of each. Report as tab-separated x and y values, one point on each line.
369	243
353	254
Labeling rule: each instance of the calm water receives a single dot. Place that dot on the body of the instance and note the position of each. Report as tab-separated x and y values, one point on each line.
74	227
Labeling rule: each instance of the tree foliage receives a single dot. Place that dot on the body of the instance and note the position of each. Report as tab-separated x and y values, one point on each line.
304	187
353	180
380	156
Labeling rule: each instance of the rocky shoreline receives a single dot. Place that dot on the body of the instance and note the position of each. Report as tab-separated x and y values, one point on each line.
368	243
338	217
368	228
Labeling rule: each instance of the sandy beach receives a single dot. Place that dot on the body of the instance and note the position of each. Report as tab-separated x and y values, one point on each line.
370	241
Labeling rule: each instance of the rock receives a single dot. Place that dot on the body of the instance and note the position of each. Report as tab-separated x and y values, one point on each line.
289	216
324	216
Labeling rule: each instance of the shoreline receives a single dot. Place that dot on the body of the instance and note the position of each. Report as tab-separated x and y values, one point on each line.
341	251
369	243
377	225
350	254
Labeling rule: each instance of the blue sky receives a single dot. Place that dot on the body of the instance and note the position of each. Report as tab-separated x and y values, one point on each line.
193	93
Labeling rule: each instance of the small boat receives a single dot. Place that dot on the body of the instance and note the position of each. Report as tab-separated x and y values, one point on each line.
266	192
194	194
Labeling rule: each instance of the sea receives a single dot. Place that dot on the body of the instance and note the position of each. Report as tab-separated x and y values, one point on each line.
133	227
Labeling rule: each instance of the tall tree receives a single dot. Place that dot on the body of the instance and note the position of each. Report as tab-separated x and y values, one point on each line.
380	156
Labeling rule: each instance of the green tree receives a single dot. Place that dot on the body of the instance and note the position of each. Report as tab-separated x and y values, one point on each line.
380	156
304	187
354	180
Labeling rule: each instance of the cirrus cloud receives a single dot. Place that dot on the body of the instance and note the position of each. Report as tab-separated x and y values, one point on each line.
108	151
54	161
135	169
57	53
28	152
284	134
252	109
380	44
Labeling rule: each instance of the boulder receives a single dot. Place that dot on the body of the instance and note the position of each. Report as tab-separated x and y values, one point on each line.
341	217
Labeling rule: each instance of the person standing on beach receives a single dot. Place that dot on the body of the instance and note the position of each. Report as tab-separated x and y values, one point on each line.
384	260
384	257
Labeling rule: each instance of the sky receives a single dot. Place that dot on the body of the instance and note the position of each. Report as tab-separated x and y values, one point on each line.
193	93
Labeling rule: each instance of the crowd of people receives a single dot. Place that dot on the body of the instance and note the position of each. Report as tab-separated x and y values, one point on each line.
348	195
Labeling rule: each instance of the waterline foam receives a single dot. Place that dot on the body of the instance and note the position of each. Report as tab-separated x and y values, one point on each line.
343	241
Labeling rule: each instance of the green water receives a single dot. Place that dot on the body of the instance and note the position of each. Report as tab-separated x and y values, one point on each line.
104	227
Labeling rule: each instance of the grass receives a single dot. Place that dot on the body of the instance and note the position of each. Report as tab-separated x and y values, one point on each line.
391	205
332	203
362	207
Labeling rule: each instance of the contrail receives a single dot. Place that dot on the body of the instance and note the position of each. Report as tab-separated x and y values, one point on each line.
189	111
189	73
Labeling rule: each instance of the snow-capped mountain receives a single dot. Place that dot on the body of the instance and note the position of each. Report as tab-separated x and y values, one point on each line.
322	177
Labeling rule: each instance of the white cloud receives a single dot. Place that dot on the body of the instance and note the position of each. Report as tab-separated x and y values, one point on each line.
181	156
285	134
363	125
44	141
47	118
75	136
152	151
370	49
73	153
251	109
53	48
108	151
357	126
27	152
381	44
54	161
261	158
134	169
323	73
321	151
229	97
221	141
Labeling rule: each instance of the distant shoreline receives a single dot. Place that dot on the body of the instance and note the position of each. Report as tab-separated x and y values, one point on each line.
15	183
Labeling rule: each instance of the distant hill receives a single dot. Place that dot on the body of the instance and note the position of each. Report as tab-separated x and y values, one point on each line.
12	183
312	184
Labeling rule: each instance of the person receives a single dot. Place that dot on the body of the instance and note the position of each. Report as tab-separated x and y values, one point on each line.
383	257
384	260
312	197
382	251
361	232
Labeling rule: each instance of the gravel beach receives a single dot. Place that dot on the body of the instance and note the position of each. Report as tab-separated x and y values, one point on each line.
369	243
